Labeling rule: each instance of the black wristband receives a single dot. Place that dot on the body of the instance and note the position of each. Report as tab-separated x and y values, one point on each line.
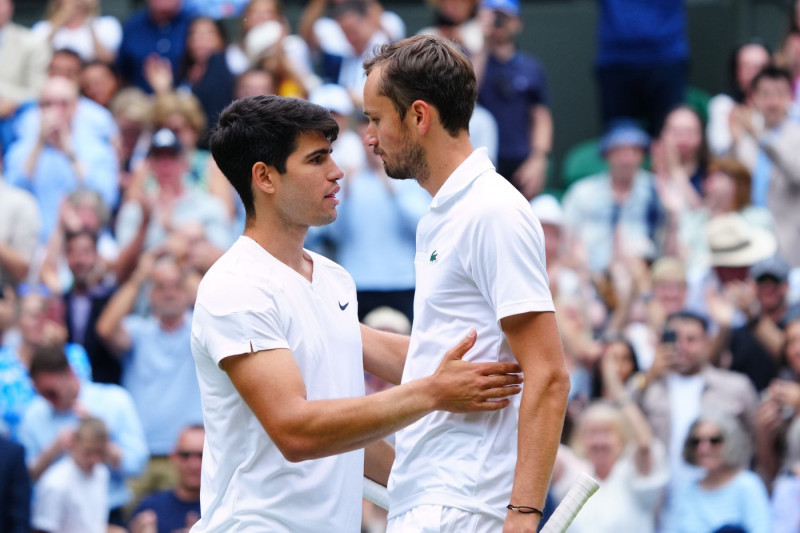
524	509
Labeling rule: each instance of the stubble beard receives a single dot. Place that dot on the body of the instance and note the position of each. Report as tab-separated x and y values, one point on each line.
411	164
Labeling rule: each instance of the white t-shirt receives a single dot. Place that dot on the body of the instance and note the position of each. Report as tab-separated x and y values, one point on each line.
67	500
250	301
480	257
107	29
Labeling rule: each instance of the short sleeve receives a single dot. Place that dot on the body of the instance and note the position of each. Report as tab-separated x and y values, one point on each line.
506	260
237	332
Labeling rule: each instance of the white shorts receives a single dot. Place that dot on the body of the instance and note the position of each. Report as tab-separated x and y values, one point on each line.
440	519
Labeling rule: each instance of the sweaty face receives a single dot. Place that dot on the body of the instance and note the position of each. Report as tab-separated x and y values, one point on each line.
390	137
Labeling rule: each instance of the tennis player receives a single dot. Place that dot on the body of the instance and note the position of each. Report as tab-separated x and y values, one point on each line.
480	260
280	354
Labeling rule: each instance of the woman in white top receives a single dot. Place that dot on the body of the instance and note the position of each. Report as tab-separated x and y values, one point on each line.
77	25
619	450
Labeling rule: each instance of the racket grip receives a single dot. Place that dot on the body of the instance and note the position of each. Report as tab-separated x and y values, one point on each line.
565	513
376	493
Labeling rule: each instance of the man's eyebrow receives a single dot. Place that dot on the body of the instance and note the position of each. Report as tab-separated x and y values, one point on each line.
316	153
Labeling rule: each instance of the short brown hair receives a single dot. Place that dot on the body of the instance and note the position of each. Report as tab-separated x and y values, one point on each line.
50	359
428	68
741	178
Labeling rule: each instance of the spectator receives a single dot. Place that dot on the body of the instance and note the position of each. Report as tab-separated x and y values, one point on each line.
717	443
39	325
513	87
91	120
155	32
756	346
628	462
15	488
680	155
778	420
178	508
158	369
85	301
78	25
620	357
770	153
255	81
99	82
204	70
132	110
458	21
24	59
618	206
62	157
681	384
72	495
642	59
49	423
746	61
266	37
726	189
20	223
341	61
173	204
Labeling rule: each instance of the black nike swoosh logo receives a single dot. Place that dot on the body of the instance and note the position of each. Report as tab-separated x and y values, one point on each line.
343	307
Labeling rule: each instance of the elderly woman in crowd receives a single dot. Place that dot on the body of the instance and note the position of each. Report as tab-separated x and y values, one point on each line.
614	443
729	497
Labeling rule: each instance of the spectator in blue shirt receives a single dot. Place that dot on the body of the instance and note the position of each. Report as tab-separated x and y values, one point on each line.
157	365
513	87
157	30
62	157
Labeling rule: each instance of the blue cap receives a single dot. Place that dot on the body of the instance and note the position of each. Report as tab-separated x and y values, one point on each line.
774	267
509	6
624	132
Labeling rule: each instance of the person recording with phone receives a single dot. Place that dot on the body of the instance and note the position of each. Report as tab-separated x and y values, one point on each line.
681	384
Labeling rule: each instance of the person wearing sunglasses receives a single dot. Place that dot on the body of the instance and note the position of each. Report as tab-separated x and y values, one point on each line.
728	497
177	508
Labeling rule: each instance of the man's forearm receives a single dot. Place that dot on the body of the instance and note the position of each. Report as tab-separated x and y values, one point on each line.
541	419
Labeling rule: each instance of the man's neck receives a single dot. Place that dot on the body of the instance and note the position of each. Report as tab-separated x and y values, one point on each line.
444	157
283	242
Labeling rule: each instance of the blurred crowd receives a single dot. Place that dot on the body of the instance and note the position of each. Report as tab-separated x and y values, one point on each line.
673	249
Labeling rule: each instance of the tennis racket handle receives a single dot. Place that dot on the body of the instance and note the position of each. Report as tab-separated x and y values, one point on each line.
565	513
376	493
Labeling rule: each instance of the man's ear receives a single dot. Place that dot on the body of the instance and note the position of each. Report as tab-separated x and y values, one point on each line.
420	115
263	177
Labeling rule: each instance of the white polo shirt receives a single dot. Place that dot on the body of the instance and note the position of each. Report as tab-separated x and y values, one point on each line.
480	257
251	301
